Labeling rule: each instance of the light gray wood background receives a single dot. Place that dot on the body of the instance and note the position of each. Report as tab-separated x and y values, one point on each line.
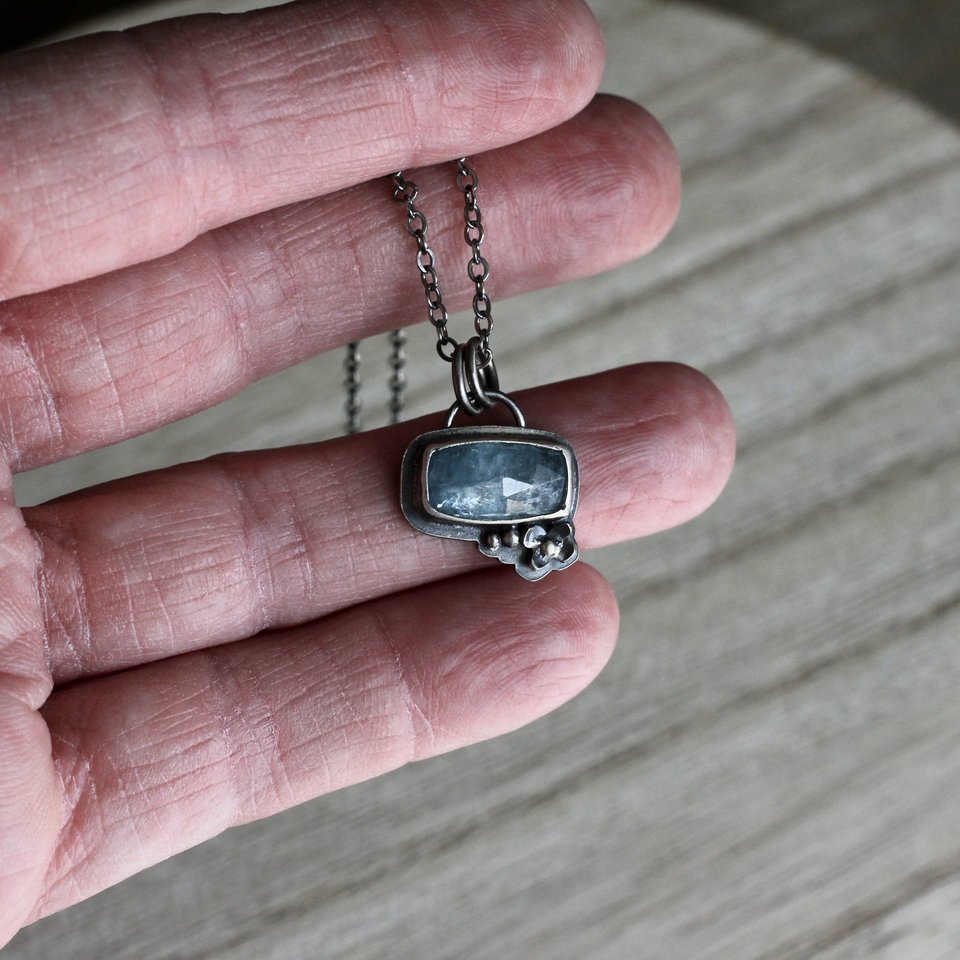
769	768
912	44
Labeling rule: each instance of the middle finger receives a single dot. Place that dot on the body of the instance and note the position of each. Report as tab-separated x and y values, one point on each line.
211	552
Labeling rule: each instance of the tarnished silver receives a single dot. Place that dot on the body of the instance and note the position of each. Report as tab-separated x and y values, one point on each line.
406	192
497	397
478	269
352	382
480	376
398	376
535	545
512	490
475	380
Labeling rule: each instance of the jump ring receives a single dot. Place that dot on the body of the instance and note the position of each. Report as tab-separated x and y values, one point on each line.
467	400
446	341
481	372
499	398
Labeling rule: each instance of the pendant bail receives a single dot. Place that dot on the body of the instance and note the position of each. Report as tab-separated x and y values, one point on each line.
497	397
475	380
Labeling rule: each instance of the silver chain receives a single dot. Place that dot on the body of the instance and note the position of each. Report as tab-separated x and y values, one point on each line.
351	383
398	378
478	271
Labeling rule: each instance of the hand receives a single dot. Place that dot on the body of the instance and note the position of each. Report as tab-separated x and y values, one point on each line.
198	647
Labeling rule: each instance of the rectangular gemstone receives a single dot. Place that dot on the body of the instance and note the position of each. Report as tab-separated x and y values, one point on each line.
496	480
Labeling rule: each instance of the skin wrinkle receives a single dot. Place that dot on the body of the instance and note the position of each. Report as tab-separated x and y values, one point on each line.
155	585
226	140
70	867
48	403
111	380
417	720
316	747
65	866
176	148
137	811
26	676
340	69
31	691
233	288
50	617
101	356
247	732
323	37
286	285
317	742
302	540
167	377
279	182
357	540
273	755
161	787
353	66
528	97
217	707
134	622
407	85
655	477
15	243
153	574
251	555
78	639
9	446
360	272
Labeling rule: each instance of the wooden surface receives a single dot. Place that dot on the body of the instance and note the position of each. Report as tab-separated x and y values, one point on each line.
769	768
913	45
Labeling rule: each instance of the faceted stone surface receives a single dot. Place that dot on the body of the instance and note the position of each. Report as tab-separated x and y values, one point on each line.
496	480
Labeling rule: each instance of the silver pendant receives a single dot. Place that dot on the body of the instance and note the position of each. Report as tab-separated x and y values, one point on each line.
513	490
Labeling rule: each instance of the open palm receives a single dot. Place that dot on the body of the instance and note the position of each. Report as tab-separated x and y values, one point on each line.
197	647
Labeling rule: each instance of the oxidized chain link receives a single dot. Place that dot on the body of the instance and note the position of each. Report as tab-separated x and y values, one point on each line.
406	192
398	378
352	384
352	380
478	269
513	490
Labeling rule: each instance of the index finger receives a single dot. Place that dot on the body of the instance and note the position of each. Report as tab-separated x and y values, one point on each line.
120	147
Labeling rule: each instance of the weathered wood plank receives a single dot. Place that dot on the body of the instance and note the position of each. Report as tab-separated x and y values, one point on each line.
910	44
924	928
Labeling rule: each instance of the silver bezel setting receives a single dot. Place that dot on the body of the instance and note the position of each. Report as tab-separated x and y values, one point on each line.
413	480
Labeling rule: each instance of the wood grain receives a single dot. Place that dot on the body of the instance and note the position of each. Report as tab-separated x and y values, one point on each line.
769	769
909	44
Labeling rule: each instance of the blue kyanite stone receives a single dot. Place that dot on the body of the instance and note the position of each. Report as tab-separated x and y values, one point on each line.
505	480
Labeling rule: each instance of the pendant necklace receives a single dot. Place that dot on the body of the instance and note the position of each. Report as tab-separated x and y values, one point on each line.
513	490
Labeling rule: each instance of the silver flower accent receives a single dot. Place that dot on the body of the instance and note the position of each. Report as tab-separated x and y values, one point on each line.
534	552
547	549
